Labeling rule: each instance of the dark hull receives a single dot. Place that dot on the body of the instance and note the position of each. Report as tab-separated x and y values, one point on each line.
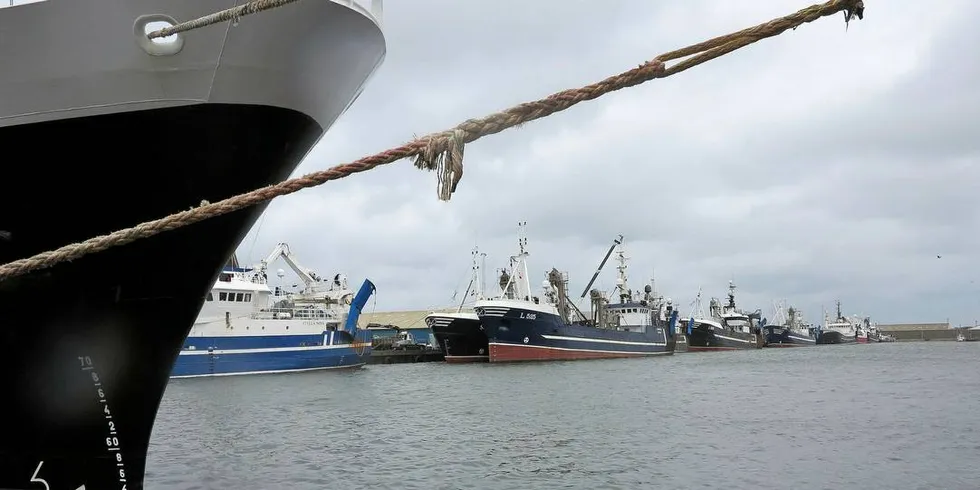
707	337
91	343
777	336
517	335
405	356
460	339
833	337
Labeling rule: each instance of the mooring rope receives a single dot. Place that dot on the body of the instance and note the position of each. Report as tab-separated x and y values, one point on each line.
233	13
441	151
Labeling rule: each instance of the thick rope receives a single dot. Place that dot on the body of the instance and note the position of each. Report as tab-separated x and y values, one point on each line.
233	13
444	151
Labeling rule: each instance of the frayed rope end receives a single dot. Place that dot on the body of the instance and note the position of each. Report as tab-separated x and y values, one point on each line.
856	9
444	154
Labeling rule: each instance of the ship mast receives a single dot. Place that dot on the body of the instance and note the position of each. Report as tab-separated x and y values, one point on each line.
697	309
622	284
476	279
525	283
518	270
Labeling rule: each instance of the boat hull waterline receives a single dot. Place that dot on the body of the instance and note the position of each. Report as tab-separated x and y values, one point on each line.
461	339
318	354
704	337
833	337
519	334
777	337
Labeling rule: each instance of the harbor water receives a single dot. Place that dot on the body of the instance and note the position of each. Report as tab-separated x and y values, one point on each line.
890	416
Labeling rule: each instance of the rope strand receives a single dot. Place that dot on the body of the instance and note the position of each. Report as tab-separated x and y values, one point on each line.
222	16
443	151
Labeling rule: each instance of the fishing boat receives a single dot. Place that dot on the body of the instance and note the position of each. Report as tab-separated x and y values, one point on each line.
665	310
245	327
788	329
841	330
524	327
875	335
459	333
724	328
862	331
115	129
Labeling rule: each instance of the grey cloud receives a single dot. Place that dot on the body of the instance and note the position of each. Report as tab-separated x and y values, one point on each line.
757	166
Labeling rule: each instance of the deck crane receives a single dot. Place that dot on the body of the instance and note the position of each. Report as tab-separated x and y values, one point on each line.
337	292
602	264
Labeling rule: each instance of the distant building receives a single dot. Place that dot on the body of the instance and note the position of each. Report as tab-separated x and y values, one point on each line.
388	323
918	331
400	319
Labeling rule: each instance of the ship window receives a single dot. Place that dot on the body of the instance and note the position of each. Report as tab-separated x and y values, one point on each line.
248	297
210	297
222	296
240	297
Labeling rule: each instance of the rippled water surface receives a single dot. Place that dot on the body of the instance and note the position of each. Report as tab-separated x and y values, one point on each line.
877	416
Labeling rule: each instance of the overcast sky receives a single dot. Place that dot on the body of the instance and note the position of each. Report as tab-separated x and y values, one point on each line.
814	166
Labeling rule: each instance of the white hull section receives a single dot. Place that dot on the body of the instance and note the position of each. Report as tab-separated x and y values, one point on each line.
499	307
252	327
63	58
803	339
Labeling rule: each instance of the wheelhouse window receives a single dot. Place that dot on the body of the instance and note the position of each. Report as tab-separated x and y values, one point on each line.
737	322
222	296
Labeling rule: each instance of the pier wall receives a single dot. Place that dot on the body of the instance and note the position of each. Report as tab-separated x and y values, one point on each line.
912	332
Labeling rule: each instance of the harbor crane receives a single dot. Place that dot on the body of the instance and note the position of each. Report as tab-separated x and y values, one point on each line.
337	292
